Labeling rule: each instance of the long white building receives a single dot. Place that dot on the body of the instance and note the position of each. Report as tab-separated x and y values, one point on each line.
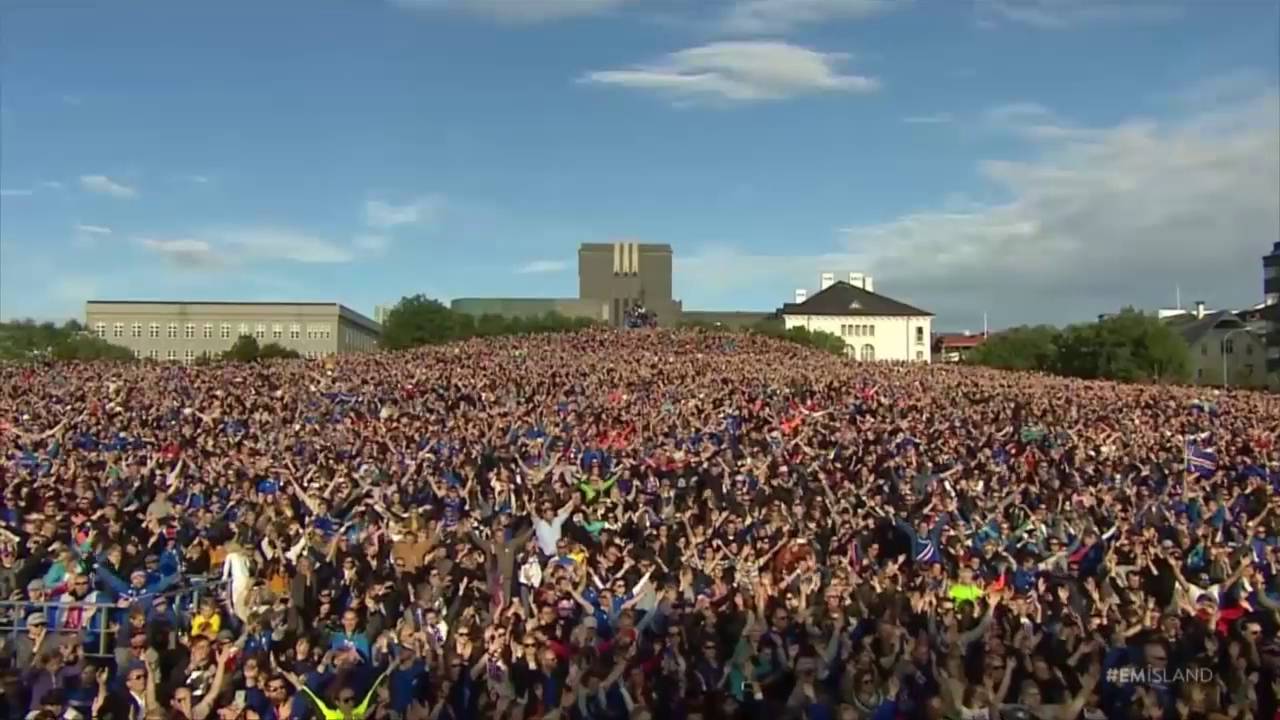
873	327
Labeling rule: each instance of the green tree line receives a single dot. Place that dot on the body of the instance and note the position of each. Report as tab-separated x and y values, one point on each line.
773	327
419	320
24	340
1130	346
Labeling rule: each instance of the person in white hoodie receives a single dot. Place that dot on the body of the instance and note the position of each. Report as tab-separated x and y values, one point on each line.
239	578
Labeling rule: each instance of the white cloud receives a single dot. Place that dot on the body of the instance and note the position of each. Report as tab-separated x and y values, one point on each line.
235	246
371	244
106	186
1058	14
739	72
1099	218
188	253
538	267
93	229
771	17
382	214
518	10
51	185
934	119
15	192
198	179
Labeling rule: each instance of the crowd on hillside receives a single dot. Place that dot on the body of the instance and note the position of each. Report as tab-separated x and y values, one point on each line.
632	525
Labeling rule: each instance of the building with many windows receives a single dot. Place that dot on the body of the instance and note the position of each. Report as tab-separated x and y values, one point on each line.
873	327
183	331
1224	350
1271	310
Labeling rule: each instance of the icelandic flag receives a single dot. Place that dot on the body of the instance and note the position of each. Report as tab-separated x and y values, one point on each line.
1202	461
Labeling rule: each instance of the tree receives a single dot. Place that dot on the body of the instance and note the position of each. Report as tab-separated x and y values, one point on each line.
276	351
1019	348
419	320
1129	346
491	324
245	349
82	347
26	340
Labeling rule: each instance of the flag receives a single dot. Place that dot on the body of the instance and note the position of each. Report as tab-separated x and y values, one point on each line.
1202	461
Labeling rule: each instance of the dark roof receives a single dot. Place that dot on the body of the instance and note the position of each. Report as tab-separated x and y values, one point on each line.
845	299
644	247
1193	329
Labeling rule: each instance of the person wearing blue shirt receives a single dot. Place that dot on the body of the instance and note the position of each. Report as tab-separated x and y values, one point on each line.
350	637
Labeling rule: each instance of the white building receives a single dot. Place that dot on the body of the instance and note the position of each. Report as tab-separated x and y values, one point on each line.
873	327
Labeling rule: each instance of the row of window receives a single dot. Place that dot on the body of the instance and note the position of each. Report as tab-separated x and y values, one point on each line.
190	355
1228	348
870	331
868	353
314	332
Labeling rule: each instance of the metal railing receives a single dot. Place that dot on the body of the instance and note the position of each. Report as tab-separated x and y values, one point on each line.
99	633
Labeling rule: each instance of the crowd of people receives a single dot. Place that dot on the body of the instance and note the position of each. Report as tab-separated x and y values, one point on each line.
632	525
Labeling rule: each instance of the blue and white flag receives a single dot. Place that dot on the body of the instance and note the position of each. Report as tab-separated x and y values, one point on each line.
1201	460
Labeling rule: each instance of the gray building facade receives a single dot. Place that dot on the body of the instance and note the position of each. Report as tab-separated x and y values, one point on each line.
594	310
623	274
1271	309
183	331
1224	351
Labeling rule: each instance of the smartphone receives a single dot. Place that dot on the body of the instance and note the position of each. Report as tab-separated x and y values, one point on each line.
239	701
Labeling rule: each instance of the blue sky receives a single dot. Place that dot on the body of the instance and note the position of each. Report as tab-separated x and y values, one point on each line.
1039	160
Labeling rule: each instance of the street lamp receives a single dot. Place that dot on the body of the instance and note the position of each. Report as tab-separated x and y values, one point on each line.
1225	338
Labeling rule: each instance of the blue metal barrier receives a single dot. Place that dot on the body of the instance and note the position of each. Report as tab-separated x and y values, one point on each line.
99	635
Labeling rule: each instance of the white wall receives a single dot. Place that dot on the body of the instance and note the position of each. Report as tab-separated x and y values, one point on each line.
894	338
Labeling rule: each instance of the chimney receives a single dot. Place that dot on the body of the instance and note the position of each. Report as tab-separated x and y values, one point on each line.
855	279
801	295
827	280
867	284
1199	309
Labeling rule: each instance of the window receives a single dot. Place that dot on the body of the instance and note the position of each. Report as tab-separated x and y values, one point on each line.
137	330
173	355
295	331
190	330
154	330
100	329
244	329
260	331
1228	346
868	353
1204	348
173	331
277	332
871	330
1199	374
154	354
208	331
919	355
919	335
1248	370
225	331
324	331
117	330
137	353
189	356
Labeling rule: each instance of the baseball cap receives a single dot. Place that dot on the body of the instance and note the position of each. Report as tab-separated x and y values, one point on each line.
37	619
36	584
